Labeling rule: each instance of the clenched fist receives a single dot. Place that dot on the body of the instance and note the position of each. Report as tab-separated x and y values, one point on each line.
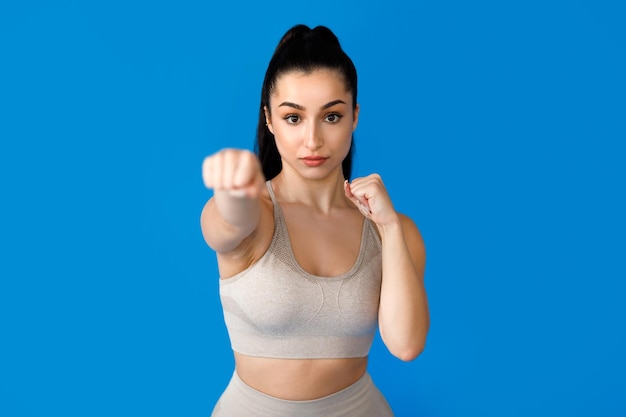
236	171
370	196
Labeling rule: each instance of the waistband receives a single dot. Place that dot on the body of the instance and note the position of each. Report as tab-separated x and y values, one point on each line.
361	399
362	385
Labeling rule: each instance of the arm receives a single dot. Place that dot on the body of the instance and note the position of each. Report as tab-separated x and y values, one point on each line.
234	211
403	312
403	315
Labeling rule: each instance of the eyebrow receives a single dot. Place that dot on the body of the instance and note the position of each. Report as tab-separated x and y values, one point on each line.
299	107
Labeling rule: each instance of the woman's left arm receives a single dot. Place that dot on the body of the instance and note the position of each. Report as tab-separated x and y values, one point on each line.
403	315
404	318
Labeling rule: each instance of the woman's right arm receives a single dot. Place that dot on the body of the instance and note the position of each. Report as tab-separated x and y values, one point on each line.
234	211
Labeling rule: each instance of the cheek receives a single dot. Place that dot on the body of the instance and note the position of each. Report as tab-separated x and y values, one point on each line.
339	134
285	135
286	141
347	144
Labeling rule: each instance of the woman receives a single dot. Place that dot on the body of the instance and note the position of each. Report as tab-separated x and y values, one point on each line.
310	264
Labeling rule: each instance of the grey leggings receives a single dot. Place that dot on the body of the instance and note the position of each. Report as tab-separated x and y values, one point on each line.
361	399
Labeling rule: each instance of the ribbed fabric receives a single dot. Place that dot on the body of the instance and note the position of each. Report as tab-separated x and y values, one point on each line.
276	309
361	399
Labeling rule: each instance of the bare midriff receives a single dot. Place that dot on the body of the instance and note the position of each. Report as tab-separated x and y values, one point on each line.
299	379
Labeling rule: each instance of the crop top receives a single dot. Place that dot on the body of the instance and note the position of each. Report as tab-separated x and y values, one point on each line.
276	309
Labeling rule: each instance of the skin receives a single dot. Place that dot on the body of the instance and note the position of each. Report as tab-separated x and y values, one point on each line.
311	116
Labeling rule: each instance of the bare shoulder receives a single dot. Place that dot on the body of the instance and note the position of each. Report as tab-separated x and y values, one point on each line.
409	227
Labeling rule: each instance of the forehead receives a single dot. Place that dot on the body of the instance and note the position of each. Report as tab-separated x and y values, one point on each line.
321	84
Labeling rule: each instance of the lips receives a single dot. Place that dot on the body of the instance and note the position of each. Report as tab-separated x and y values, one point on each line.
313	161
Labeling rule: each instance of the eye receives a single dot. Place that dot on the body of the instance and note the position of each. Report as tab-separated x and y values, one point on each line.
333	118
292	119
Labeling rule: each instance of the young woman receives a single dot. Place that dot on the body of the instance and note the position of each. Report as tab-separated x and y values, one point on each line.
311	264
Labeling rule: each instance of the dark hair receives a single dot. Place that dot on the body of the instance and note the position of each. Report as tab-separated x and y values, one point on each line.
302	49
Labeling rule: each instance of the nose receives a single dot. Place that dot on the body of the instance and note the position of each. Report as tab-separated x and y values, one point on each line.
313	139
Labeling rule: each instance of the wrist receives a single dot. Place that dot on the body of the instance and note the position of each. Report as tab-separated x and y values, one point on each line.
392	225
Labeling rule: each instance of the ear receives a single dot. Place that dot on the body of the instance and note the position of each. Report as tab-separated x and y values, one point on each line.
268	119
355	120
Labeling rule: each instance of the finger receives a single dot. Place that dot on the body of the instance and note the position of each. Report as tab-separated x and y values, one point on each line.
215	171
357	190
206	166
230	164
348	190
360	202
364	207
350	193
244	171
210	172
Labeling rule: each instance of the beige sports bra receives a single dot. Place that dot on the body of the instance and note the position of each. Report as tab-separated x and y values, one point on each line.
276	309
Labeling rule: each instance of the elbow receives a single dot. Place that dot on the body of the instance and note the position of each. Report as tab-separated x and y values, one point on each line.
410	353
408	344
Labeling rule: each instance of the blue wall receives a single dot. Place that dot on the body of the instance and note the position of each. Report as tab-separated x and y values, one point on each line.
498	126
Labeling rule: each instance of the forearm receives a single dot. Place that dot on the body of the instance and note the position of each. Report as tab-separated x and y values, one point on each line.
403	315
228	219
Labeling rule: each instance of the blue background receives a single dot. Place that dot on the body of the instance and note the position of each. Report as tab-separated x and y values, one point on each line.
499	127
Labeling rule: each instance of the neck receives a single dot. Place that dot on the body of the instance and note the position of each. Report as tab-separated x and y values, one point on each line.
321	195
